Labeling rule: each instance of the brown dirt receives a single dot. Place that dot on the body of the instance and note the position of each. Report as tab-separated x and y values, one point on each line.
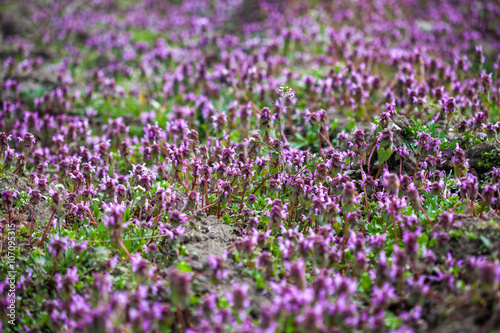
468	319
487	227
445	316
397	124
213	237
14	20
474	154
14	182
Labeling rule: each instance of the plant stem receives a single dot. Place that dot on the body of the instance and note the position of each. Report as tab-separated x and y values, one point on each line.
348	268
416	166
31	223
395	229
53	268
262	183
260	219
370	157
202	209
179	319
378	172
498	204
91	216
47	228
386	226
303	209
344	241
366	197
447	123
187	316
162	170
327	141
24	208
291	213
156	224
120	242
243	196
206	194
180	182
428	219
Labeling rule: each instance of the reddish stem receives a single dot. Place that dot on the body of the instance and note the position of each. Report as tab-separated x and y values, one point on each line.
395	229
187	316
291	213
202	209
206	194
416	166
348	268
243	196
370	157
162	170
498	204
344	242
262	183
17	170
154	227
47	228
327	141
156	223
366	198
428	219
378	172
24	209
120	242
179	319
91	216
180	182
31	223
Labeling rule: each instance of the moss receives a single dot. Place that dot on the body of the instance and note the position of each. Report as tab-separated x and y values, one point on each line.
490	159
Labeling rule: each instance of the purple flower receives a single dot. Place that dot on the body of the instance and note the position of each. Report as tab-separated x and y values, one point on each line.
180	288
57	246
66	284
238	296
140	266
7	199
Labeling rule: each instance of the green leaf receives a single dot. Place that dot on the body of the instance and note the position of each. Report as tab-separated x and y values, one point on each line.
392	321
126	215
486	242
183	267
471	235
299	136
259	282
384	154
351	124
223	303
366	281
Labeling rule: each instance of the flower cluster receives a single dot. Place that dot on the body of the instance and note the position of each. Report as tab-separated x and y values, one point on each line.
214	165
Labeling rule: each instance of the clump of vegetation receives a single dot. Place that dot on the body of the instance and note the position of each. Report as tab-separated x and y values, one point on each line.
309	171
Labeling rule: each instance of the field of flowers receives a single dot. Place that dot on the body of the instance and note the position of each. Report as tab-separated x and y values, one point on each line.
249	166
